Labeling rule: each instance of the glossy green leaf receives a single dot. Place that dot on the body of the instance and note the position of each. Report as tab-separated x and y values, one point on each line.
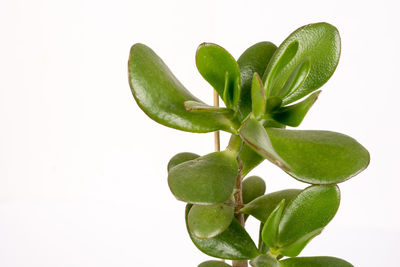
221	70
271	227
318	44
195	106
161	96
253	133
180	158
211	220
209	179
293	115
264	260
262	207
232	244
252	188
254	60
305	216
214	264
314	262
319	157
258	97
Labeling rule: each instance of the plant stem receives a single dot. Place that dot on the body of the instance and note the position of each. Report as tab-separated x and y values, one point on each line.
238	206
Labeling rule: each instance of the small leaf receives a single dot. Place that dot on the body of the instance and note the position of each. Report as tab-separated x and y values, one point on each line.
214	264
258	97
261	207
195	106
232	244
252	188
306	216
296	79
271	227
161	96
317	43
264	260
254	134
180	158
221	70
262	247
293	115
314	262
206	180
319	157
254	60
209	221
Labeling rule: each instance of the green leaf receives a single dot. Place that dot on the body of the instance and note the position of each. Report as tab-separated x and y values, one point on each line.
252	188
254	60
195	106
209	179
262	207
314	262
319	157
258	97
209	221
250	159
232	244
214	264
180	158
264	260
305	216
314	46
271	227
253	133
161	96
262	247
273	104
293	115
221	70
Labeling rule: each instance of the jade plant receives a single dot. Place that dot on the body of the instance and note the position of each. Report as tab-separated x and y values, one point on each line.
265	91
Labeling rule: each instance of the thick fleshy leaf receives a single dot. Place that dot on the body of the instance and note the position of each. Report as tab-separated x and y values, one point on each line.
271	227
211	220
252	188
319	157
305	61
161	96
254	60
180	158
293	115
214	264
195	106
232	244
209	179
264	260
314	262
250	159
258	97
253	133
305	216
261	207
221	70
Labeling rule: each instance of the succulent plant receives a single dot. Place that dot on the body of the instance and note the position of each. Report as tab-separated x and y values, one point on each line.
266	90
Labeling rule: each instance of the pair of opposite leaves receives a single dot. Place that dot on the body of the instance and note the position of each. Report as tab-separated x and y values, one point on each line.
292	218
303	62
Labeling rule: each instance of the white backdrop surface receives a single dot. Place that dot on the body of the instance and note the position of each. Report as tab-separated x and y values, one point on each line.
83	170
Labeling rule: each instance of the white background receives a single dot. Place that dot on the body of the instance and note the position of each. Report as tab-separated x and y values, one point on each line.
83	170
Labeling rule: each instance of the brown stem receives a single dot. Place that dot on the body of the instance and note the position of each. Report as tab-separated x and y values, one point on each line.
238	206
